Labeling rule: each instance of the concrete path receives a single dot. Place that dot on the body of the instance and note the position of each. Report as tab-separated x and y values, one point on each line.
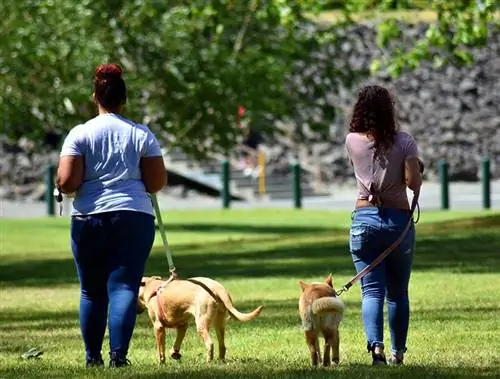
463	196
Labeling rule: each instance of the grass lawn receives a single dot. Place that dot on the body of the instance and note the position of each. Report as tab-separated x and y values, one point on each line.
260	256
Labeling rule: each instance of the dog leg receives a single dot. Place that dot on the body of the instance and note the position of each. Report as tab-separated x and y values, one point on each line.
181	332
160	341
328	346
220	330
312	343
318	350
335	344
202	325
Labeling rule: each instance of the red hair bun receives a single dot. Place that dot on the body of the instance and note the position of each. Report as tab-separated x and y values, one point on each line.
108	72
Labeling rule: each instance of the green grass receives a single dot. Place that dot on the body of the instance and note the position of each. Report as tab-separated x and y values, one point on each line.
260	256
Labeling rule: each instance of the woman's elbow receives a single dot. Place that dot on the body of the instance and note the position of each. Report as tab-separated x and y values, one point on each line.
155	184
67	185
70	172
154	174
414	184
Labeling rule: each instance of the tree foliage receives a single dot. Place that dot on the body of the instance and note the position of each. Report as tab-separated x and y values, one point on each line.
190	64
460	25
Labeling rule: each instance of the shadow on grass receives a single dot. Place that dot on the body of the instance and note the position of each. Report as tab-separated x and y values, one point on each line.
471	247
12	321
244	228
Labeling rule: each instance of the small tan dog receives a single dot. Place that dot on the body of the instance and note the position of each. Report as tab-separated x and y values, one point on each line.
321	312
173	304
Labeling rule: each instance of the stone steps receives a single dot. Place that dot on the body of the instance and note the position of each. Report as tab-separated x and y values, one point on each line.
277	186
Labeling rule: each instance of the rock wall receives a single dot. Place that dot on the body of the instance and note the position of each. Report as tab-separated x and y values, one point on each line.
453	112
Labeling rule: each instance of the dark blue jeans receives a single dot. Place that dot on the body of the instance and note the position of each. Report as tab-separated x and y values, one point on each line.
372	231
110	251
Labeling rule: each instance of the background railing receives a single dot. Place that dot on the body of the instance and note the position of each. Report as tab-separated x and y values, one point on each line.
296	169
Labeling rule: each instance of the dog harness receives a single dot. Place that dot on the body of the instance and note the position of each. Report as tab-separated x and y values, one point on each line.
157	292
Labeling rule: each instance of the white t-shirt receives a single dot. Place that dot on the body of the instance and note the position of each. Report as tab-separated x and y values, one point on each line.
112	147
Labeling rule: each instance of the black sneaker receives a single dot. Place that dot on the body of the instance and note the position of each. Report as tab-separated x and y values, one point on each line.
94	362
116	360
378	357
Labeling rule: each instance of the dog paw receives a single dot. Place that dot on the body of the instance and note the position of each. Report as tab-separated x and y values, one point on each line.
175	355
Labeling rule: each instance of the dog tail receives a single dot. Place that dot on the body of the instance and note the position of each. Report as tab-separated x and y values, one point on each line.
236	314
222	295
327	304
244	317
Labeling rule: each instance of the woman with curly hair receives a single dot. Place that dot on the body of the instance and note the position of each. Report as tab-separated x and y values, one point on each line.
385	162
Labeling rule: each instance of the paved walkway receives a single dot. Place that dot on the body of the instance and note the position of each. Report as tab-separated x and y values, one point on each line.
463	196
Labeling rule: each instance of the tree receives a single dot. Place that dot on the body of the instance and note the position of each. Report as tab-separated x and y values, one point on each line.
45	66
189	65
460	25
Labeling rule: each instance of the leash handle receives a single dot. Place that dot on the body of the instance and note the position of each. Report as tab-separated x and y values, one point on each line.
163	235
387	251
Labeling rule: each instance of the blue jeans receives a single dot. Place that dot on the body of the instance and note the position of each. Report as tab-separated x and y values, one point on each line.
372	231
110	251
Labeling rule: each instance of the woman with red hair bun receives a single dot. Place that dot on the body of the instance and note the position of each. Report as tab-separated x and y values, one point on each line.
111	164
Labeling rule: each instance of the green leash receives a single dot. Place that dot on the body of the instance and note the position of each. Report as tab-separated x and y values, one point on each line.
163	235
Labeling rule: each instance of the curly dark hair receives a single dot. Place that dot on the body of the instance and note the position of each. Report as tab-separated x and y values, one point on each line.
374	115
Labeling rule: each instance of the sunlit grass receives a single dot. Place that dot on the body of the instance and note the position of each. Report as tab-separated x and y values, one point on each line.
260	256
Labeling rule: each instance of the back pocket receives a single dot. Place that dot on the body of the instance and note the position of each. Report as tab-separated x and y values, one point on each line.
360	238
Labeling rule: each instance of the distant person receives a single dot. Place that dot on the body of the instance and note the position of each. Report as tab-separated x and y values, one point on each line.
385	163
251	140
111	164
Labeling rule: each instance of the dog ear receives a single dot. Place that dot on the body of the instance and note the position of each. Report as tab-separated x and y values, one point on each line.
303	285
329	280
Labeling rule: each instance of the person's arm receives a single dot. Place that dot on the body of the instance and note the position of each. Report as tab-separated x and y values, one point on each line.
152	165
347	151
71	167
413	166
412	173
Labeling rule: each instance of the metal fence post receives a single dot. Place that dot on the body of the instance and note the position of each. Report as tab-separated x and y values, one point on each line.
297	189
49	189
226	196
445	190
486	183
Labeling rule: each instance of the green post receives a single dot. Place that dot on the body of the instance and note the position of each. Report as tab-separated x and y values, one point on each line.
445	190
297	189
486	179
49	189
226	196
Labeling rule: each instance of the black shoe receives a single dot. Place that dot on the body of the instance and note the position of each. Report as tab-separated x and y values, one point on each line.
396	359
94	362
378	357
116	360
